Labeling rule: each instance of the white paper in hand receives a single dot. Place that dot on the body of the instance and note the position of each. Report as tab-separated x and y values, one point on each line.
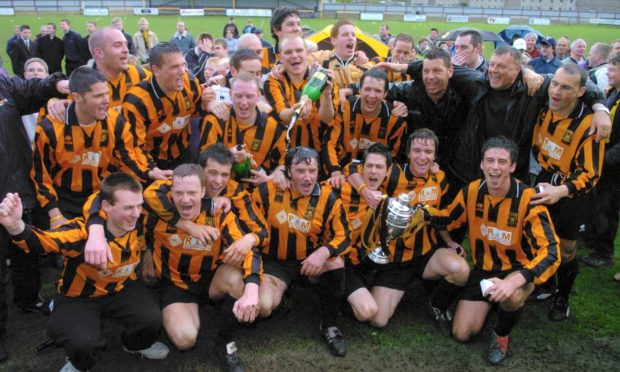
484	285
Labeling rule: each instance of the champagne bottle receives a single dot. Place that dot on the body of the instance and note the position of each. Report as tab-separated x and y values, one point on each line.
316	85
242	168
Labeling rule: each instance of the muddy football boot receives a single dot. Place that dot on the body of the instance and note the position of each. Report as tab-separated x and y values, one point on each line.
335	340
442	320
498	350
559	309
229	356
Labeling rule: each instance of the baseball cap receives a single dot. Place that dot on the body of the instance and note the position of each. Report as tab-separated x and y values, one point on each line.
257	31
519	44
549	41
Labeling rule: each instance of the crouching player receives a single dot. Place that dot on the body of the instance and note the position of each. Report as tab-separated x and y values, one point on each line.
190	270
513	245
87	294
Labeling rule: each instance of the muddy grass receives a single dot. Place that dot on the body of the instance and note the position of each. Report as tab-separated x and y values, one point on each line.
293	343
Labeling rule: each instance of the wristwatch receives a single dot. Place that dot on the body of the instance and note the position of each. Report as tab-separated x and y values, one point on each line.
602	108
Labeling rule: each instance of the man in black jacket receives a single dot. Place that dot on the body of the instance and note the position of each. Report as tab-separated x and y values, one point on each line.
51	49
22	50
20	97
73	42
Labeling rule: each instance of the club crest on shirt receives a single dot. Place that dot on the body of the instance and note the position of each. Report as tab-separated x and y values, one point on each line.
256	145
568	136
512	219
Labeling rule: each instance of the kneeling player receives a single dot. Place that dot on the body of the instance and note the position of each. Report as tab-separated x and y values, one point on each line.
513	245
190	271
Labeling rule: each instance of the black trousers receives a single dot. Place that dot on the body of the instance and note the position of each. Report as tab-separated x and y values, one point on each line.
601	233
75	323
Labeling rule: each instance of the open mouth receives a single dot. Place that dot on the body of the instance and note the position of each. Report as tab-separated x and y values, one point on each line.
350	46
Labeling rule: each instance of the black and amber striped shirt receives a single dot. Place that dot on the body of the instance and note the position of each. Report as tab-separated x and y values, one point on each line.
271	57
393	77
356	210
566	151
352	133
183	260
345	72
158	200
264	138
161	123
80	279
71	160
119	86
299	225
507	234
283	94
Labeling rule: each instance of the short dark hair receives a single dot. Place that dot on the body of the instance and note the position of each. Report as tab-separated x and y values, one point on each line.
278	17
188	170
615	60
117	181
53	25
425	134
159	50
24	27
217	152
63	20
242	55
203	36
375	73
336	28
439	53
504	143
476	38
379	149
405	38
83	78
508	49
298	155
434	29
574	69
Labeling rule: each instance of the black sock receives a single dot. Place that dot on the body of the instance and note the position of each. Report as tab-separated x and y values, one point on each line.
507	321
567	273
229	325
445	294
331	294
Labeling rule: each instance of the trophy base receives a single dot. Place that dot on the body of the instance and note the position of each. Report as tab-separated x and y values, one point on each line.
377	256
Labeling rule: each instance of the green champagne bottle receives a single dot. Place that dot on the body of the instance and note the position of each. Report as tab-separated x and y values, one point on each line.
242	169
316	85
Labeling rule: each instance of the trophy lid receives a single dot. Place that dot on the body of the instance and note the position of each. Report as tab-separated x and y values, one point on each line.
400	208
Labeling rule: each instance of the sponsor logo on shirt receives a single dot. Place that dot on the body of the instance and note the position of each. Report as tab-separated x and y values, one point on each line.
496	235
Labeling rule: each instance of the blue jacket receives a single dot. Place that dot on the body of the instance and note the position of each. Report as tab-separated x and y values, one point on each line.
541	66
185	42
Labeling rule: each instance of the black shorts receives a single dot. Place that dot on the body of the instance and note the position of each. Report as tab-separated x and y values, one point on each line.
472	291
399	276
287	271
198	293
567	215
354	279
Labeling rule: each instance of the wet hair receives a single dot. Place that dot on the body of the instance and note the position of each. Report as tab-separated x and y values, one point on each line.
423	134
379	149
375	73
504	143
439	53
278	17
159	50
189	170
508	49
298	155
115	182
336	28
476	38
574	69
242	55
83	78
217	152
245	76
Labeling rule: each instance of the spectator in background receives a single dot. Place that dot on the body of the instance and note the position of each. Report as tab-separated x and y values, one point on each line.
306	31
182	38
231	42
91	26
547	63
249	28
562	48
434	35
23	50
259	33
577	51
384	33
597	61
424	45
72	40
144	40
468	47
197	57
232	26
220	48
51	49
519	44
117	23
13	40
615	49
530	45
33	68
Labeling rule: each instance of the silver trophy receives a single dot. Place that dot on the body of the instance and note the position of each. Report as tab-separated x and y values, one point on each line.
395	220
